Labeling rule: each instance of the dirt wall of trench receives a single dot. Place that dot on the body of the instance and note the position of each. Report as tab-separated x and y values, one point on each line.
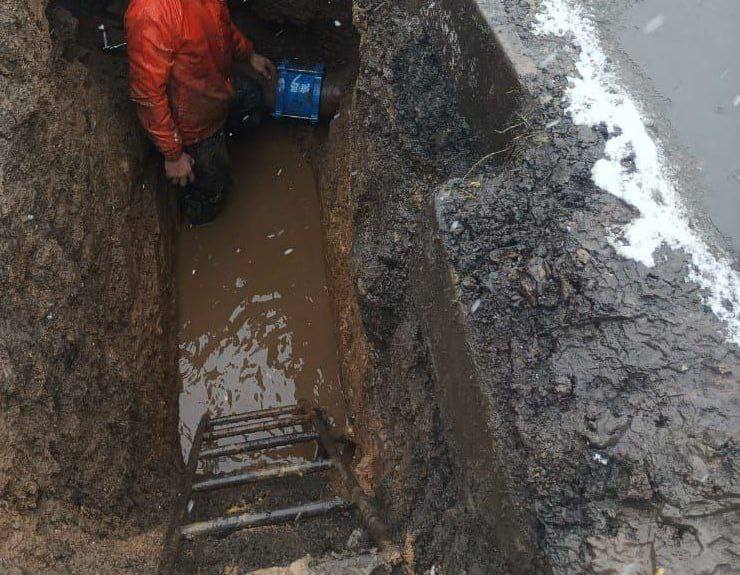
408	125
87	428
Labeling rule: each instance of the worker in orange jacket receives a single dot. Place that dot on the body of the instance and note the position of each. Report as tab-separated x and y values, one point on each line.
182	55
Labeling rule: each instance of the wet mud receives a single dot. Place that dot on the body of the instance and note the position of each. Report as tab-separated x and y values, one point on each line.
87	421
611	381
255	323
608	387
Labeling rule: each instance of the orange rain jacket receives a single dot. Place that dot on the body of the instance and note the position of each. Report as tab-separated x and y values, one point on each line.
181	54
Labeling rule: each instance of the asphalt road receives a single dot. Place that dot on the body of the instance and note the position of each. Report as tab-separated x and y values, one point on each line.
681	60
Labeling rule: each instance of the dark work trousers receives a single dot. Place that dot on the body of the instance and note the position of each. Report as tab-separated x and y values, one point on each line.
203	200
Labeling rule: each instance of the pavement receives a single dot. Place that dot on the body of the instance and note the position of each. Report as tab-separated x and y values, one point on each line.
679	58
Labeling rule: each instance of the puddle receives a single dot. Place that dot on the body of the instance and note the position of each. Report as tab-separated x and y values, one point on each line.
255	325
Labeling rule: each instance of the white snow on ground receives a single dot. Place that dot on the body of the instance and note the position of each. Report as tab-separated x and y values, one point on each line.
597	96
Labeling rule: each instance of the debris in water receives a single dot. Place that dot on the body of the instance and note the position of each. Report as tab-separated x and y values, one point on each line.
237	312
455	226
279	172
654	23
476	305
337	24
266	297
193	272
191	504
598	458
288	251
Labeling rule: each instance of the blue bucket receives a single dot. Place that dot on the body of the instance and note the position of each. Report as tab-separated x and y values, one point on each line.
298	91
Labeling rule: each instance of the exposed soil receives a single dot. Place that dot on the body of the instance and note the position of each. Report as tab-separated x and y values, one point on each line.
610	387
400	136
399	106
85	337
612	383
88	234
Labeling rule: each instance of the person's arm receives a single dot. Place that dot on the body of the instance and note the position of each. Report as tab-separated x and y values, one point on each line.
151	33
243	46
152	36
244	50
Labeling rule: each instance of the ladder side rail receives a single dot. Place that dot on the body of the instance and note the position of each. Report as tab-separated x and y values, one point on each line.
365	508
172	537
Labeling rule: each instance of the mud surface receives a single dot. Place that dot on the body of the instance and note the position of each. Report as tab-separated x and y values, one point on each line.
397	137
256	328
611	391
615	387
301	12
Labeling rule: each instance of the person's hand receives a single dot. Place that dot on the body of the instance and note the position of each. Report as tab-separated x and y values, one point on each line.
262	66
180	171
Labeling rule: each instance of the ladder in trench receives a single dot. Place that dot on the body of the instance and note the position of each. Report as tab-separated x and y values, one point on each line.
313	428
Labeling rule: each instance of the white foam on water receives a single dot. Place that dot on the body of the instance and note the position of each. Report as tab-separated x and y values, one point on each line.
596	96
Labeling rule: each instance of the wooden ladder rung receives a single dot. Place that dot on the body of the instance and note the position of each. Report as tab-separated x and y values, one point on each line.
223	525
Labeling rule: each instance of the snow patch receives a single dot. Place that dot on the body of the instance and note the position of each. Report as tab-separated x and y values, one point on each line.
595	97
598	458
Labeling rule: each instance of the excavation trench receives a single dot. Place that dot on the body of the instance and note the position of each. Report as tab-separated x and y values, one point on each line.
321	281
517	399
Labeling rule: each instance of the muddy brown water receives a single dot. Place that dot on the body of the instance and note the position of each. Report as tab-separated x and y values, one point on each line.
255	324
